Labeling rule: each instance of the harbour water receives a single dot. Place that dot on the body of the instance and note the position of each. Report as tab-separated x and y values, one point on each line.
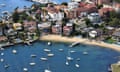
10	5
97	60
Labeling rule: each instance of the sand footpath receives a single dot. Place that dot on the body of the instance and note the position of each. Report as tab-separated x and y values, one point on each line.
58	38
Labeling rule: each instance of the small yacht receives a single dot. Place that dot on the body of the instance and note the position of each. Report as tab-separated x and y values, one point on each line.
33	55
2	60
32	63
47	50
78	59
67	63
7	65
2	54
14	51
50	54
85	53
25	69
61	50
47	70
69	58
72	51
77	65
43	58
49	43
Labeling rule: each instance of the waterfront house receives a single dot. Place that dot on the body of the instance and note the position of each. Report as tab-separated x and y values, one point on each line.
72	5
17	26
116	6
79	24
104	11
44	27
55	14
76	0
30	26
94	18
42	1
116	35
57	29
68	29
3	39
93	34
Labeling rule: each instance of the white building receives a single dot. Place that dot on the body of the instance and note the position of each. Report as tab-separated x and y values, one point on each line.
72	5
94	18
76	0
56	16
42	1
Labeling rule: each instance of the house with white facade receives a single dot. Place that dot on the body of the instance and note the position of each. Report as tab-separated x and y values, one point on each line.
42	1
94	18
72	5
56	16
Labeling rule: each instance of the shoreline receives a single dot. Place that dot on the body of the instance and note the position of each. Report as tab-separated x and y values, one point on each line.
58	38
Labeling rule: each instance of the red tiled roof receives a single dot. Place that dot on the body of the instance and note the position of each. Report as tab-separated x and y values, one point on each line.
2	38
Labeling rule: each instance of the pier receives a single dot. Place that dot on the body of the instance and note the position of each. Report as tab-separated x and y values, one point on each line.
74	44
116	67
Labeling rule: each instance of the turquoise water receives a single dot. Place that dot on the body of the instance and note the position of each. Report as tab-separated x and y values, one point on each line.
97	60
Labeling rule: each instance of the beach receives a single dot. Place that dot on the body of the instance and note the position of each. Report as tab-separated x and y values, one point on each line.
58	38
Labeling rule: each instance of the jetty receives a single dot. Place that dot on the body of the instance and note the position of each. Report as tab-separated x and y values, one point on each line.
74	44
115	67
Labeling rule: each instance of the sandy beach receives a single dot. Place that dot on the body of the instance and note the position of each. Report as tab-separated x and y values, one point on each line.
58	38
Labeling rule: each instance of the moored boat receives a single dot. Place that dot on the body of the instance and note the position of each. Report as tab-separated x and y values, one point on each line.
32	63
25	69
77	65
14	51
50	54
43	58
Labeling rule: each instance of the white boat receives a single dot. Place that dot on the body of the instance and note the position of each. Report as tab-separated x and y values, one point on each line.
69	58
14	51
25	69
47	70
67	63
72	51
32	63
77	65
60	49
49	43
2	54
85	53
2	60
47	50
43	58
33	55
50	54
78	59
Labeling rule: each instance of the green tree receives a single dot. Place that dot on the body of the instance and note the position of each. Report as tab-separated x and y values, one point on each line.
15	16
114	22
64	3
88	22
